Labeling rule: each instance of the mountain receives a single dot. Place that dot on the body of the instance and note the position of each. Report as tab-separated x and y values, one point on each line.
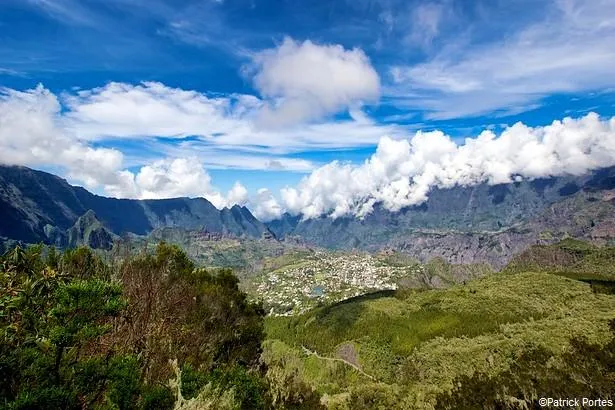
89	231
482	223
40	207
487	223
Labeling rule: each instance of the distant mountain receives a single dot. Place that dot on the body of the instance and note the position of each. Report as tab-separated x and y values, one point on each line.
471	224
483	223
40	207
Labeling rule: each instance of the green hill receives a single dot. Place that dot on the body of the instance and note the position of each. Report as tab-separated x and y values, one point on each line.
571	258
403	351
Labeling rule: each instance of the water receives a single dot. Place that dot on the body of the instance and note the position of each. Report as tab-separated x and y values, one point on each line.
318	291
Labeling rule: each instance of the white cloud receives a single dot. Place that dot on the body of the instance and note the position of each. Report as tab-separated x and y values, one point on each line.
237	195
171	178
306	81
30	135
152	109
264	206
128	111
401	173
569	50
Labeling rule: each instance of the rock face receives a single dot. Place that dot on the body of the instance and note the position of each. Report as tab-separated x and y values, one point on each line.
39	207
88	231
474	224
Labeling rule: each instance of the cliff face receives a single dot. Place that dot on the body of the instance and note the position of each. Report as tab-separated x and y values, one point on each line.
37	207
473	224
463	224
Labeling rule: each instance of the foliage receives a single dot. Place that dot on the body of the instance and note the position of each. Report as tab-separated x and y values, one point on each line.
49	322
78	333
572	258
418	344
585	370
197	316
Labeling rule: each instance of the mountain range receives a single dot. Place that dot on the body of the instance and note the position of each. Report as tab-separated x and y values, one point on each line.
461	224
40	207
480	223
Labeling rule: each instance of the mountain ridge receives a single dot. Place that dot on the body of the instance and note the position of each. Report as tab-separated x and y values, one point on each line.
32	200
481	223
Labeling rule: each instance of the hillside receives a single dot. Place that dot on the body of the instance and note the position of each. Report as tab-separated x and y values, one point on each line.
573	259
408	350
34	203
475	224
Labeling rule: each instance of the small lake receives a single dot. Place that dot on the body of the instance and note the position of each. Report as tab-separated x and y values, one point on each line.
318	291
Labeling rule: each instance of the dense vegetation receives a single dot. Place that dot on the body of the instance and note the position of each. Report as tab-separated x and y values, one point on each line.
571	258
585	370
245	256
149	330
78	333
502	341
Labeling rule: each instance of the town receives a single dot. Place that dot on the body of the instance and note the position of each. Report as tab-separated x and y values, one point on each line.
326	277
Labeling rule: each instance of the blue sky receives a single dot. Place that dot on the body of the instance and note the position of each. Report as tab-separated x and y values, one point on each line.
127	96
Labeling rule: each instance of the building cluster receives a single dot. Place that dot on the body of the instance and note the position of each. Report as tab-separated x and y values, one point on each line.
325	278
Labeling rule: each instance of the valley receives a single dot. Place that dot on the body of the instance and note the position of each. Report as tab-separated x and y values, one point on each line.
395	311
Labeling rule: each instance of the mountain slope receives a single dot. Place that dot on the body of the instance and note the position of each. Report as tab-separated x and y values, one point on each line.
35	203
402	351
472	224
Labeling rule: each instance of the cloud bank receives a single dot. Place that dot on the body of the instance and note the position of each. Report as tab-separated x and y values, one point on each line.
35	130
306	81
402	172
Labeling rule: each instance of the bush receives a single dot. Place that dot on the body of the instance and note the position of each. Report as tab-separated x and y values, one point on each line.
74	333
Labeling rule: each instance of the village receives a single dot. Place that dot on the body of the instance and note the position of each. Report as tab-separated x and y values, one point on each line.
326	277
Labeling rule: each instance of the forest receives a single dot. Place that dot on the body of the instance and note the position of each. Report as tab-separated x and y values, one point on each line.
77	332
150	330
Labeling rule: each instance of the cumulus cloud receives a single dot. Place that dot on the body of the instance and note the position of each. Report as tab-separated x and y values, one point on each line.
32	133
265	206
170	178
402	172
306	81
237	195
127	110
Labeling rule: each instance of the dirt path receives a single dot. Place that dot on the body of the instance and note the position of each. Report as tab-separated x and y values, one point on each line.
337	359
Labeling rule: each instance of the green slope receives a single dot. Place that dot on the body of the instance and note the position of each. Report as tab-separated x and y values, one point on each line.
416	344
571	258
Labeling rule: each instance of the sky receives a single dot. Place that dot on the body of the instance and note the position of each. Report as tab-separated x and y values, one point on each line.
312	108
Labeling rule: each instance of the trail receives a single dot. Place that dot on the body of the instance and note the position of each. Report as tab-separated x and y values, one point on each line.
337	359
